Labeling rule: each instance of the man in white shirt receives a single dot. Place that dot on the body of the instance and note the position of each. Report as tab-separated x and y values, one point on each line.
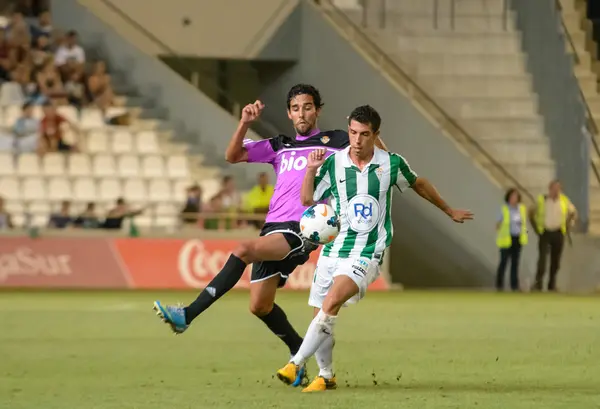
551	218
69	51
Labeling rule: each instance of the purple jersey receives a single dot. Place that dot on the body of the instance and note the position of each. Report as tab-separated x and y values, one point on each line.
289	158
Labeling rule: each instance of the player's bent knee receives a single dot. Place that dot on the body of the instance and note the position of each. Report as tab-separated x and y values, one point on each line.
261	308
245	251
332	305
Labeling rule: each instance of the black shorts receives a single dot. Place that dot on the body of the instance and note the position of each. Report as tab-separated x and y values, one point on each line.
298	255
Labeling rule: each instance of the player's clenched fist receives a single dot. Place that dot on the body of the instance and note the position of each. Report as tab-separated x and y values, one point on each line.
316	158
252	111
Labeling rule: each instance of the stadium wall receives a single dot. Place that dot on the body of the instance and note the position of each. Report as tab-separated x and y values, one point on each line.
551	67
191	27
128	263
188	109
428	249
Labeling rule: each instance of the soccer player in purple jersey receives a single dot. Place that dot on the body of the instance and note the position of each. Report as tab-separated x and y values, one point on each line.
280	247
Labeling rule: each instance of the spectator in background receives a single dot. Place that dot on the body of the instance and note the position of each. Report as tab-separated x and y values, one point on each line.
62	218
551	218
259	197
52	132
193	205
231	200
43	28
50	84
69	50
511	236
116	215
88	219
214	206
26	130
5	217
76	90
99	86
41	52
18	33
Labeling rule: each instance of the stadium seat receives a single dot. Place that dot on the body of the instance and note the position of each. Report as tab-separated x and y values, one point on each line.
91	118
166	209
39	208
160	190
11	93
33	189
14	207
79	165
59	189
53	164
97	141
7	166
142	220
135	190
168	222
110	190
40	220
10	188
147	142
115	111
28	164
210	187
84	189
177	167
153	167
122	142
104	165
68	112
180	189
129	166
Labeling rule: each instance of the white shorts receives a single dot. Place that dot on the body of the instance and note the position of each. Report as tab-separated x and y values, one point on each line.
363	271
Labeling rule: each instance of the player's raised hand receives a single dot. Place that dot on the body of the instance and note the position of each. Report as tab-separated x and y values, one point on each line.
252	111
316	158
460	216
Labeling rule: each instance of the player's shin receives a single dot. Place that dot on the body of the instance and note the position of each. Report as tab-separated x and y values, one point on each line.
319	330
223	282
324	357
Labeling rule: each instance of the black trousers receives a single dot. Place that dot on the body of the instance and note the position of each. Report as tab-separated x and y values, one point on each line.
513	253
550	242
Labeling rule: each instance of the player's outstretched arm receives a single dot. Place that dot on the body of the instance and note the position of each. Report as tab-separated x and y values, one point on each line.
315	161
427	191
236	152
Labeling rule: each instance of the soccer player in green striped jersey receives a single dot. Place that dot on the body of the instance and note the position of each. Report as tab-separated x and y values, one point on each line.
359	180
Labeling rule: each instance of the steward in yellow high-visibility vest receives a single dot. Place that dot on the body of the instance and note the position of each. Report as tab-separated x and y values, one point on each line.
551	217
511	236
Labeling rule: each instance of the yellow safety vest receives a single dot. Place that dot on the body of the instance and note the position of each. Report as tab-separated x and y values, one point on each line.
504	239
540	217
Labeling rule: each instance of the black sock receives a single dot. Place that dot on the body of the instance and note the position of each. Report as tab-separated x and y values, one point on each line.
223	282
278	323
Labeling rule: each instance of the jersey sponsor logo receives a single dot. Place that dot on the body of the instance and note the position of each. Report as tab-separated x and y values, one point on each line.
325	139
291	162
342	180
363	213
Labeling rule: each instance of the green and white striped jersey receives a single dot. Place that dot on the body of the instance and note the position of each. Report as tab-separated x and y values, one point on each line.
363	200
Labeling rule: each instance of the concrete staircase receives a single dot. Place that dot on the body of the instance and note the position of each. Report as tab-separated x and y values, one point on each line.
474	68
587	71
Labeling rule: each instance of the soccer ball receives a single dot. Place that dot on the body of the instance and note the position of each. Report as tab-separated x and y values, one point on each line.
320	224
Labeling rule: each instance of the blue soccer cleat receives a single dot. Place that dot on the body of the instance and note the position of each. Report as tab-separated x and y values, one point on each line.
172	315
301	377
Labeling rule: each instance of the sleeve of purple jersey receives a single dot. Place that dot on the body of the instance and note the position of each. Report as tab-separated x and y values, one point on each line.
259	151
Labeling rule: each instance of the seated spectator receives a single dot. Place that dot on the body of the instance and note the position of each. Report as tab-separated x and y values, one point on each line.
116	215
50	84
259	197
52	132
18	32
193	205
231	200
214	206
43	27
88	219
99	86
41	52
69	50
62	218
75	90
26	130
5	217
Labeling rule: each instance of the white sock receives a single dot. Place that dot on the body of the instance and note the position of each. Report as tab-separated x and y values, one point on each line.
324	356
319	330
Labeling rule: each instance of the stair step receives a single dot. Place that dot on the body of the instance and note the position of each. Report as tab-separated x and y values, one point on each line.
514	128
492	107
478	86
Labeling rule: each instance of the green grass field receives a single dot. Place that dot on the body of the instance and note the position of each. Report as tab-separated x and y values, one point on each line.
76	350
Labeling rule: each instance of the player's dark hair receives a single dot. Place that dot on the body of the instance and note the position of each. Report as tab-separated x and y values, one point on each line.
366	115
305	89
509	193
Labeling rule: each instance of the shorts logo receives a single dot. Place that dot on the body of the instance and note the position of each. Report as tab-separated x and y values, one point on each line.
363	213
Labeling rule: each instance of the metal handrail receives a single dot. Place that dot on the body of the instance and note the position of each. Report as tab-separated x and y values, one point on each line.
169	52
591	124
415	87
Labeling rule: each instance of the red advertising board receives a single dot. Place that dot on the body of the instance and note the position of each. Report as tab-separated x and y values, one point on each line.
127	263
